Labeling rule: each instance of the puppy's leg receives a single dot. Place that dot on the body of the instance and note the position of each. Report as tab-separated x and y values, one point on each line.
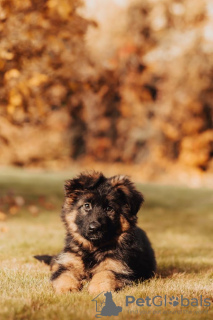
104	281
105	276
68	271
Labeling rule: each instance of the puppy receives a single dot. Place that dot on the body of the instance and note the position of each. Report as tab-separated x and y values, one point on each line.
103	243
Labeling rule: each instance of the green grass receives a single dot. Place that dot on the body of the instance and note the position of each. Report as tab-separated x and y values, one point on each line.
178	220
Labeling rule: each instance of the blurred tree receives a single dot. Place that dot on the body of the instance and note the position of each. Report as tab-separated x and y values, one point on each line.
155	105
42	64
150	104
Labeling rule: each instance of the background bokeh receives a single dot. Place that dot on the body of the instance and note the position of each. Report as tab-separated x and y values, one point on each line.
108	84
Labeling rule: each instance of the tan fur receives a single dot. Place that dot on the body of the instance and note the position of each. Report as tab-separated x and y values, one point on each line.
71	259
117	179
73	262
84	242
124	224
124	189
54	266
69	280
104	281
85	199
70	219
111	264
69	201
66	282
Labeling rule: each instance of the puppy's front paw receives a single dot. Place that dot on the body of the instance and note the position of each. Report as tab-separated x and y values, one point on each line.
104	281
65	283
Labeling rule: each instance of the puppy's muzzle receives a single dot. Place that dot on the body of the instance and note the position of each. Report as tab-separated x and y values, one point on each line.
94	226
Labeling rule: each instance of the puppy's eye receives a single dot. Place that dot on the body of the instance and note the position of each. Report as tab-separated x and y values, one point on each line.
87	206
109	208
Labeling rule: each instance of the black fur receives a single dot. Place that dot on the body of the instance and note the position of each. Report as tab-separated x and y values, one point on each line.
44	258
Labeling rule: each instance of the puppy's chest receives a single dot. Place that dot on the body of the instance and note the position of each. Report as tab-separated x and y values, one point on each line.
92	259
98	260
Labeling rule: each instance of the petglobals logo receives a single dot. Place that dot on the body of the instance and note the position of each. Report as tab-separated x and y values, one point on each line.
105	306
159	301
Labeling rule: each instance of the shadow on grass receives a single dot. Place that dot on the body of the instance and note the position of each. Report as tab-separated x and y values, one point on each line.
186	268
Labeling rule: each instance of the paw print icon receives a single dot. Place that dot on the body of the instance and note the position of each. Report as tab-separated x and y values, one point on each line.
174	301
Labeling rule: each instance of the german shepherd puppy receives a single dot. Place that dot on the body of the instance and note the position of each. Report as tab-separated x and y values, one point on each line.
103	243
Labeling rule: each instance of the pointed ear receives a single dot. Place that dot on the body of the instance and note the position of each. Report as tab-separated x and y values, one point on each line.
85	181
126	188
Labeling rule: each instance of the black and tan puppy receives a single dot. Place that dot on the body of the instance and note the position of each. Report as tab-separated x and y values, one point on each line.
103	243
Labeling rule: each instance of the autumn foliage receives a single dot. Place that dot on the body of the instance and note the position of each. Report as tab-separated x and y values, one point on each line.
150	104
42	60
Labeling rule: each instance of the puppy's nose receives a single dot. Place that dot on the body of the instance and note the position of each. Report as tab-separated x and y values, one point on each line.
94	226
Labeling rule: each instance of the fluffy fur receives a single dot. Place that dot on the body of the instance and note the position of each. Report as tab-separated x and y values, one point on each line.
103	243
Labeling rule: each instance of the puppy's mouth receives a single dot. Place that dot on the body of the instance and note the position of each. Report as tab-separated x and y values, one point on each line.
95	237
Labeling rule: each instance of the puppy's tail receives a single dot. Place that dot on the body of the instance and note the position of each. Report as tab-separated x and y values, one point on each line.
44	258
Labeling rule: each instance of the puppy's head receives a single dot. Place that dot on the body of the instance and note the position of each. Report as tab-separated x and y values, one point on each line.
99	208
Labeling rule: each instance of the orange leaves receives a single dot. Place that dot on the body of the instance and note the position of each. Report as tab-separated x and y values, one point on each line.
15	98
63	8
11	74
14	209
41	52
143	93
6	55
33	209
11	204
39	38
37	79
195	150
3	216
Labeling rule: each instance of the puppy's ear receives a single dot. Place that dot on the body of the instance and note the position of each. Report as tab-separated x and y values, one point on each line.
131	196
85	181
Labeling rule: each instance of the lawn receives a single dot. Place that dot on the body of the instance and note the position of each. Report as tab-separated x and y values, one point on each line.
178	220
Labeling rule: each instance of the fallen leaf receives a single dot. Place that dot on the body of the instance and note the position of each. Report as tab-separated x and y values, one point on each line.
3	229
34	210
19	201
3	216
13	209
